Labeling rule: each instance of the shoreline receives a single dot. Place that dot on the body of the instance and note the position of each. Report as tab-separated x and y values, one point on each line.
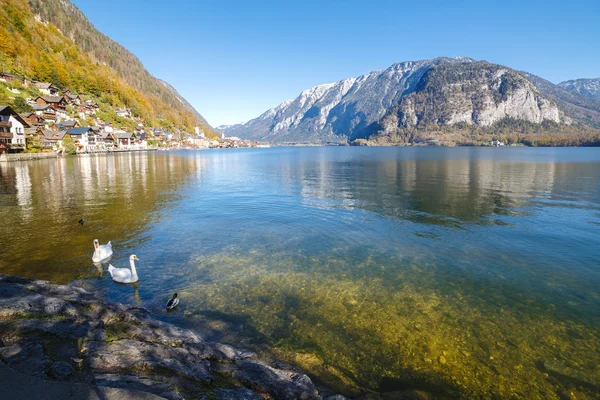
65	335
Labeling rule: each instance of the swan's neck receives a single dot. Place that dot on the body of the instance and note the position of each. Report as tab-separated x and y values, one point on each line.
132	264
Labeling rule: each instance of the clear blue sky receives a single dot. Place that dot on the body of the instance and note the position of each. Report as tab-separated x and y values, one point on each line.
235	59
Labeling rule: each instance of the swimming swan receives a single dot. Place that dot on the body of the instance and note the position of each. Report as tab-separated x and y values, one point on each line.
125	275
101	252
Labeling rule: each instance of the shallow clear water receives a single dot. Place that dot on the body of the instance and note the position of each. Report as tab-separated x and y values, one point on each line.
469	271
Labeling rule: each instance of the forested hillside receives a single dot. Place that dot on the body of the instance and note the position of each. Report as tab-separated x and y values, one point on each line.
35	41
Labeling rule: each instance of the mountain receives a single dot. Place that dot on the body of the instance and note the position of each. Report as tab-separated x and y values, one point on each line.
443	92
581	108
52	41
185	103
586	87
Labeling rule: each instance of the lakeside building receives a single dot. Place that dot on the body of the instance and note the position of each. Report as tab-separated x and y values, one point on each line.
12	130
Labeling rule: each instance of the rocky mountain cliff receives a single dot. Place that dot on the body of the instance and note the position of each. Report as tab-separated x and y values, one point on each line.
581	108
586	87
415	94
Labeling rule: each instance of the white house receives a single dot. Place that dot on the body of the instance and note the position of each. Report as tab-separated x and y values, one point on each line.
83	137
12	130
123	112
47	88
125	140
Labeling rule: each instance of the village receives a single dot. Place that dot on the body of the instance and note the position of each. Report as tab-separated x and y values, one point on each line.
60	117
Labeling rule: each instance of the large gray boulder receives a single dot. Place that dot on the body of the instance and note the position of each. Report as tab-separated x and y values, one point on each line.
28	358
126	354
284	384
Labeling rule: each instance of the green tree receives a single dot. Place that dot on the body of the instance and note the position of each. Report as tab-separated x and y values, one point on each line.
21	106
69	146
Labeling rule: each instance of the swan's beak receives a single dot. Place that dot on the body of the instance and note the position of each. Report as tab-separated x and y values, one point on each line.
135	258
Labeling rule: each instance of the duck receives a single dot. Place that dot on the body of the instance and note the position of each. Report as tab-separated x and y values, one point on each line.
173	302
124	275
101	252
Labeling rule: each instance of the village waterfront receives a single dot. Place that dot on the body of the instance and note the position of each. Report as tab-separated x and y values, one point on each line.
468	272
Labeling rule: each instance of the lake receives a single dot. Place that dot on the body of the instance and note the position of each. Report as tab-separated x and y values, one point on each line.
469	272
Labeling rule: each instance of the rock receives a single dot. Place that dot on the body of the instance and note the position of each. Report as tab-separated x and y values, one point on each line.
142	384
285	385
23	387
237	394
35	304
223	368
68	328
284	366
130	354
61	370
29	358
336	397
442	360
218	351
161	332
556	368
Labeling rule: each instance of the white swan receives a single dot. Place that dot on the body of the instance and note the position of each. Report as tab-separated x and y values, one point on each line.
124	275
101	252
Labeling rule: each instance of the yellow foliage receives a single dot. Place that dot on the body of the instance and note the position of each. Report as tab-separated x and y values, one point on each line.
42	52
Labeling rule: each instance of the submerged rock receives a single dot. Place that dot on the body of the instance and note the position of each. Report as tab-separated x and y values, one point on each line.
218	351
61	370
561	370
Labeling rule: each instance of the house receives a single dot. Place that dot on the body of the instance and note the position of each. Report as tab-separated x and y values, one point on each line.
141	140
199	131
70	124
124	139
123	112
47	113
53	140
196	141
47	89
84	110
12	130
105	140
56	102
33	119
83	137
108	127
72	99
90	103
12	78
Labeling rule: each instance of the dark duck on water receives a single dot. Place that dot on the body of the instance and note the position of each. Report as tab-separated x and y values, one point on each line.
173	302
